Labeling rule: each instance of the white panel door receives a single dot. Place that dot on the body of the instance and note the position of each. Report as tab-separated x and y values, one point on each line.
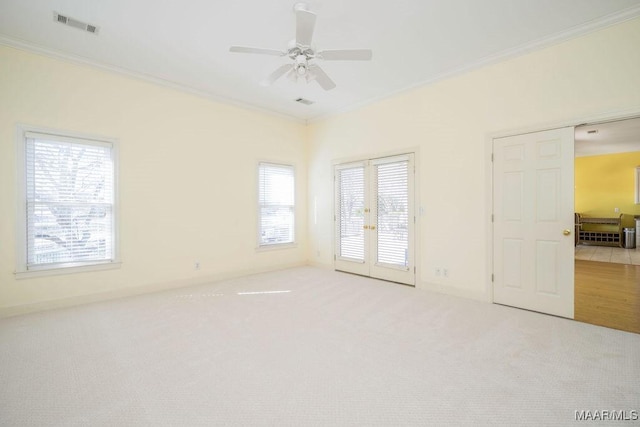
374	218
533	243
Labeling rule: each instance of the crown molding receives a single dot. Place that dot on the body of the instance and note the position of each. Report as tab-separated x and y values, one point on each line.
538	44
76	59
577	31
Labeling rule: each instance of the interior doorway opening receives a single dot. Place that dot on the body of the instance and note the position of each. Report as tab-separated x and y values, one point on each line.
528	183
607	224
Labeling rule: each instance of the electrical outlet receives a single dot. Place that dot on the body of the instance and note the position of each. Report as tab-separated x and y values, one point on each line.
445	272
616	210
196	265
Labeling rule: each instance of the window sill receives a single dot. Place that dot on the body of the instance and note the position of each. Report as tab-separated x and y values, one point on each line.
54	271
276	246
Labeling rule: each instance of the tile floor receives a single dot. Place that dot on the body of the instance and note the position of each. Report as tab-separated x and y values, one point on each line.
608	254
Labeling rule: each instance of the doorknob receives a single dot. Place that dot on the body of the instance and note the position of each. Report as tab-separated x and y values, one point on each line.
566	232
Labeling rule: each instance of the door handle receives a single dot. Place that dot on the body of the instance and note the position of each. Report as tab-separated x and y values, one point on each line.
373	227
566	232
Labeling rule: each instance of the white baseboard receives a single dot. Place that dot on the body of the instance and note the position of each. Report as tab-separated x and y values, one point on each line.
136	290
176	284
441	289
453	291
320	265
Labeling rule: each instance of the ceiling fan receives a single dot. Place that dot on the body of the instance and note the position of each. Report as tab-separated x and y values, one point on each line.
304	55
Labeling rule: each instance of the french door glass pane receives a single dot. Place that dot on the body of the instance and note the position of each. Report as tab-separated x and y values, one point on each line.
351	212
393	213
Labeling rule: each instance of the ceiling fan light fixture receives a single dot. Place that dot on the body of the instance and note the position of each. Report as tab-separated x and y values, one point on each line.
301	66
303	55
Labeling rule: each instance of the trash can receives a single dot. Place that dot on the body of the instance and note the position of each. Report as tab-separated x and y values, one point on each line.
629	238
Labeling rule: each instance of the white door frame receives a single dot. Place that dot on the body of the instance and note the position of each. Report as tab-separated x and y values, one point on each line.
576	121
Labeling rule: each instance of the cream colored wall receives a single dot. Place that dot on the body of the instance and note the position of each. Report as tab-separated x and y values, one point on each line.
175	146
182	160
449	123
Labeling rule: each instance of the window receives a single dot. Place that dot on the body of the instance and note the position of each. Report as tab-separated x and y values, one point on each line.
276	195
67	194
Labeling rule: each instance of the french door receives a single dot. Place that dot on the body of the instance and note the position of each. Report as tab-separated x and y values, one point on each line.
374	218
533	246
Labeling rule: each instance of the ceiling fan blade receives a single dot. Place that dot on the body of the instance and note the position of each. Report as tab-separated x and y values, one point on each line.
322	78
346	55
305	23
292	75
279	72
259	50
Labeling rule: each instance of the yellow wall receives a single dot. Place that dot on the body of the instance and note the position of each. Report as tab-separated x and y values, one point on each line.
449	123
606	182
188	174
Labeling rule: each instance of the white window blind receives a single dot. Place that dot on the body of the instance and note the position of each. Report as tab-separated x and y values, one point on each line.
391	181
276	198
69	201
351	207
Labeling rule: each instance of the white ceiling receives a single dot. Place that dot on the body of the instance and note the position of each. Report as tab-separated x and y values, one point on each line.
414	42
621	136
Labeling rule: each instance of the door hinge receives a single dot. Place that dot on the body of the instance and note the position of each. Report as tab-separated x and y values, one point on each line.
492	277
334	257
492	157
492	219
414	269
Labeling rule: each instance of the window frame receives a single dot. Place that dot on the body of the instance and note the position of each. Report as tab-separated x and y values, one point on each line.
274	246
21	239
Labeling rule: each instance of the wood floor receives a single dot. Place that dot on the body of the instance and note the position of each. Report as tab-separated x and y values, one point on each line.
608	294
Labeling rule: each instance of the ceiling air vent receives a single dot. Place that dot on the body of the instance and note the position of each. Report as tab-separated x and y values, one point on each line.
304	101
71	22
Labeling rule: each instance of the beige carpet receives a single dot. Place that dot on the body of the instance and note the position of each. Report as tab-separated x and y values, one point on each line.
309	347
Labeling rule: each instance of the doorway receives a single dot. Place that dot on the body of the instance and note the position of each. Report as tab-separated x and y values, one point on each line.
534	271
375	219
607	281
